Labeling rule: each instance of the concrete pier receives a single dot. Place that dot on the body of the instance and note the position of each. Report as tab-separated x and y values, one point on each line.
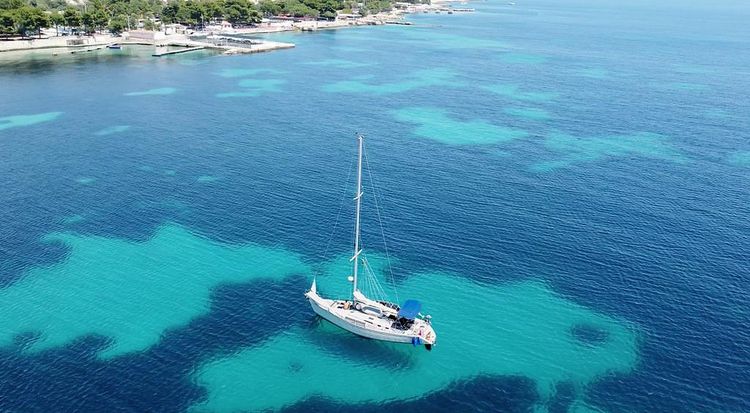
176	51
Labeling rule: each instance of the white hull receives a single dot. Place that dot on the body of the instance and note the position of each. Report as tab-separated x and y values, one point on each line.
369	325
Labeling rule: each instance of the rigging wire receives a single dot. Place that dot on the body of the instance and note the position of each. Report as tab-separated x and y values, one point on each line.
380	222
376	290
338	214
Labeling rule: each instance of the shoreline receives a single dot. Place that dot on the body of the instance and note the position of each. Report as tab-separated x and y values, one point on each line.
76	44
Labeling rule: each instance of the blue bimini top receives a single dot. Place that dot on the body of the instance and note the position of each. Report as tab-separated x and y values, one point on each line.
410	309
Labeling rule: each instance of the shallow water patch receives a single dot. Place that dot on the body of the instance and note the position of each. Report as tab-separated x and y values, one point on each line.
685	86
254	88
573	149
439	39
716	113
528	113
414	80
250	94
338	63
130	292
514	92
521	58
693	69
262	84
436	124
239	72
85	180
16	121
73	219
739	158
112	130
594	73
529	337
154	92
206	179
350	49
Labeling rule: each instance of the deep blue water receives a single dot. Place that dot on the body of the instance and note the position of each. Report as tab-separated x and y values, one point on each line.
656	236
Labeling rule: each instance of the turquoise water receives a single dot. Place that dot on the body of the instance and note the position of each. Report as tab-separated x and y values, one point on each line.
564	186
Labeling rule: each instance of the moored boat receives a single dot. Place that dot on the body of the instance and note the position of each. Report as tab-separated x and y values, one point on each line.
367	317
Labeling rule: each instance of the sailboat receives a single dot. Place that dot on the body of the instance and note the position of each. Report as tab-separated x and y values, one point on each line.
371	318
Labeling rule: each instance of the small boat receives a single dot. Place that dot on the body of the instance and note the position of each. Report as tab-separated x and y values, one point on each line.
372	318
114	46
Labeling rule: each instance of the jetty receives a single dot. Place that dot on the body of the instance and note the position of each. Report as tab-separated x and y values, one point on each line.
91	49
177	51
242	45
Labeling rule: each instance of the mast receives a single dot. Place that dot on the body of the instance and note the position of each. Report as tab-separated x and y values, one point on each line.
358	200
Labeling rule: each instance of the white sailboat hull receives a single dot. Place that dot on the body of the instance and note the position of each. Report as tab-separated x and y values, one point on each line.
369	325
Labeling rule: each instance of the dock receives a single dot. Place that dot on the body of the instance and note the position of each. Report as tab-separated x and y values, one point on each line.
91	49
176	51
265	46
242	45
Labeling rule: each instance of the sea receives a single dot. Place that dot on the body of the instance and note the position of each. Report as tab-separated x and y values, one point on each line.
564	185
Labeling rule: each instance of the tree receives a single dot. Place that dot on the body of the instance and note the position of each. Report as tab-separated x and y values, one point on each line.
11	4
190	13
99	15
118	8
72	18
57	20
7	23
214	9
118	24
240	11
87	20
327	8
149	25
269	7
169	12
297	9
31	19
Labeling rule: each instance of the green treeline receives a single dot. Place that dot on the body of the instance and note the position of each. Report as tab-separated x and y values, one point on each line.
26	17
17	16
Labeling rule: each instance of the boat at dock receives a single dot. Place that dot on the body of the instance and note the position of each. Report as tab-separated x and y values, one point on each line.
376	319
114	46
